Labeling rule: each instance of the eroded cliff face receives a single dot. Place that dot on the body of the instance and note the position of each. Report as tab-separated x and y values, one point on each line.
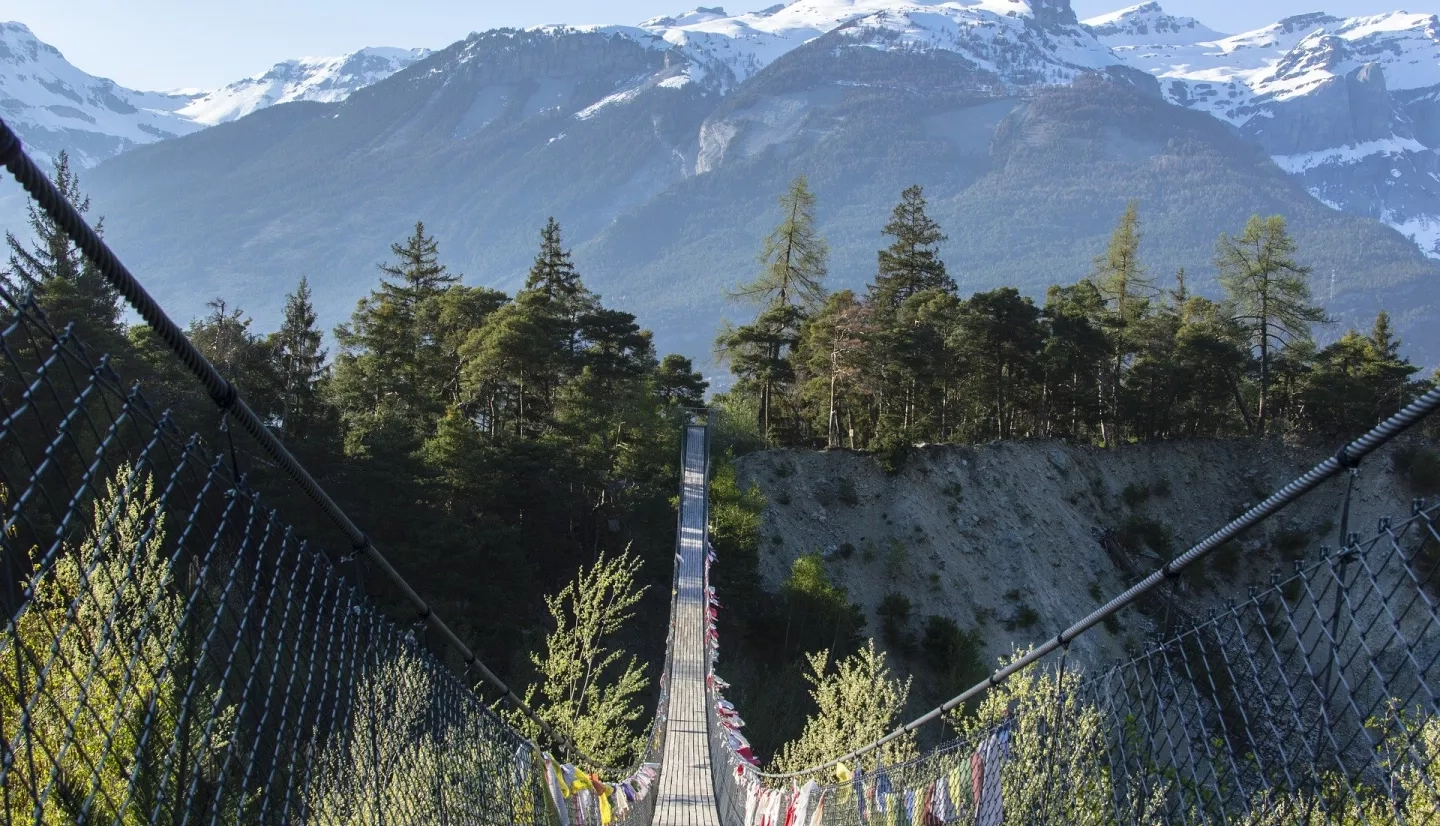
1004	539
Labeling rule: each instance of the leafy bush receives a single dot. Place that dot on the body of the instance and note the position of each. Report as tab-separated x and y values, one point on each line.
856	703
818	613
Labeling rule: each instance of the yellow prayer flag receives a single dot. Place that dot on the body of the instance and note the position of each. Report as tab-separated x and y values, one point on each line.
605	814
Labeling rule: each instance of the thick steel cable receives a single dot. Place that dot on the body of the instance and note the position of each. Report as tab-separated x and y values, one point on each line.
45	194
1346	458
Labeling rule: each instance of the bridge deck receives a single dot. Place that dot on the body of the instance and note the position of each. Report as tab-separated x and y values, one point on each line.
687	790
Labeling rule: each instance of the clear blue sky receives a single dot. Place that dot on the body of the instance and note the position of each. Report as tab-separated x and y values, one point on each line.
165	44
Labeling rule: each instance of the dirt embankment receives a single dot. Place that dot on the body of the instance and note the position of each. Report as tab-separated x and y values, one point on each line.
1004	539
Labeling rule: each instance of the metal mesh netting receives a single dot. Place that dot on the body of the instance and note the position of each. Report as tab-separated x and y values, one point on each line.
1312	701
174	653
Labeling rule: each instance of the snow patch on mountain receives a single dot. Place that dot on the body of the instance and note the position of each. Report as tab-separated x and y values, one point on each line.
323	79
1231	77
1342	155
1423	230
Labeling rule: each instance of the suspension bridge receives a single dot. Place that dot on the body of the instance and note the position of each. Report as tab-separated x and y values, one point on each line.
175	651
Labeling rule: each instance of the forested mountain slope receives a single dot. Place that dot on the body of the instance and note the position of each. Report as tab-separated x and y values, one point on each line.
667	193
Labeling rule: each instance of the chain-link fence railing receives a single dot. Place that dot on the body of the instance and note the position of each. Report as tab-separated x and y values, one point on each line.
174	653
1312	701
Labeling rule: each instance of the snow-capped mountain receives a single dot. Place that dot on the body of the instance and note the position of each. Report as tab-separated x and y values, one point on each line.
1021	41
1350	106
54	105
324	79
1147	24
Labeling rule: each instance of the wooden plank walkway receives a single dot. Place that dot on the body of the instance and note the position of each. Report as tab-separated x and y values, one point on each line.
687	789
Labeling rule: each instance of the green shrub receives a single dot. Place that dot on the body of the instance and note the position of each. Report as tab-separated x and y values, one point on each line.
1135	495
894	612
954	655
1137	533
1025	617
1291	543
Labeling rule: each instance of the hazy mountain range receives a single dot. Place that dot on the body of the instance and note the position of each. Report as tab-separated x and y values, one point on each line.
661	147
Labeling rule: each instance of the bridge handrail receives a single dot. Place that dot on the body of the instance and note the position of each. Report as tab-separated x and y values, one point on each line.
227	398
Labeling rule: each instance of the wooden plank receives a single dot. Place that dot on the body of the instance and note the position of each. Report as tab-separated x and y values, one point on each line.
687	790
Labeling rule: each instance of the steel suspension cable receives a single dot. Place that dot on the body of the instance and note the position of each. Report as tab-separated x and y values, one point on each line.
1347	458
55	206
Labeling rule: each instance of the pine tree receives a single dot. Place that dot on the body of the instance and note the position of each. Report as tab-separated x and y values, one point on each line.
301	363
912	263
225	339
417	274
393	358
1382	335
1073	360
831	345
65	283
788	289
794	258
1127	290
555	289
1271	294
678	384
998	338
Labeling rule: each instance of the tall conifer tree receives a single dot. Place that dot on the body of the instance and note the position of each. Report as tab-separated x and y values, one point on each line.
794	264
1271	294
66	284
300	361
912	262
1127	290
